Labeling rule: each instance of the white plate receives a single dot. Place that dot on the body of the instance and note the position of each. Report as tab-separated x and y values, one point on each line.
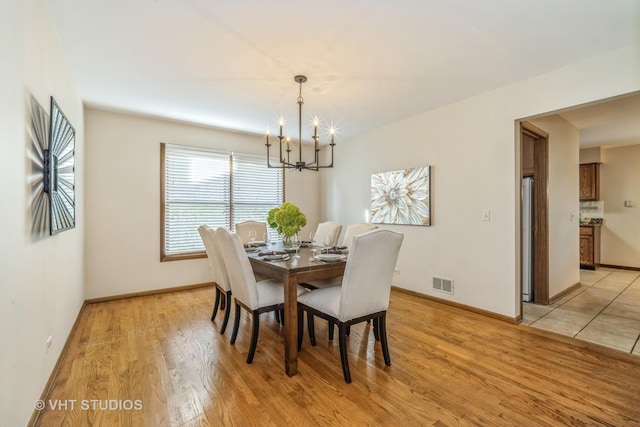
330	257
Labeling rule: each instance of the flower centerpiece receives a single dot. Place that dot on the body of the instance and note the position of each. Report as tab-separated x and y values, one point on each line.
287	219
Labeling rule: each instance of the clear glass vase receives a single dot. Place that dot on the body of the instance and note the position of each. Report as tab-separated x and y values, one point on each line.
287	241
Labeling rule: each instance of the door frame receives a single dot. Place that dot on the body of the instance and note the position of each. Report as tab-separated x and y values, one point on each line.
541	211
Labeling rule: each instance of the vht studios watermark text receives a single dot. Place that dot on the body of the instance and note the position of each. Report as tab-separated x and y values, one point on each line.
89	405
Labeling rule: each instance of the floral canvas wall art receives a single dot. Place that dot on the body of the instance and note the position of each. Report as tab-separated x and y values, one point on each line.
401	197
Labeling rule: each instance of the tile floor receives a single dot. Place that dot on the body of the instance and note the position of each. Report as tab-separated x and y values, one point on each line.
604	310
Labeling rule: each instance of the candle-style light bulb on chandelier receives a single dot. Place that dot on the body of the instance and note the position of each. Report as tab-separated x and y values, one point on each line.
299	164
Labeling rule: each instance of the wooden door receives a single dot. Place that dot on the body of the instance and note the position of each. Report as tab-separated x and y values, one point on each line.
527	155
539	139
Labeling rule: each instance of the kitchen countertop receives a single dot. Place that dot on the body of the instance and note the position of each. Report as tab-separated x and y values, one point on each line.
592	222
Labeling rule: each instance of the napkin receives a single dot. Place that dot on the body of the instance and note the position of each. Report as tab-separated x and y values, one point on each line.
334	250
272	253
276	257
249	245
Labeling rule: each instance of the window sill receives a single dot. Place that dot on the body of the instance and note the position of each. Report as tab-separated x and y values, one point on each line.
183	256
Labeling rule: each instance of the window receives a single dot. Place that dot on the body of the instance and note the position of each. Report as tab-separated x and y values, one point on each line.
255	189
201	186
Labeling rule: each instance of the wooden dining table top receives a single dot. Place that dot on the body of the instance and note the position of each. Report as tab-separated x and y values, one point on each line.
292	272
306	262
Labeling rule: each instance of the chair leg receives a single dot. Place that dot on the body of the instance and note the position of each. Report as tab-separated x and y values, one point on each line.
330	326
342	339
312	328
254	335
348	330
226	313
300	327
216	303
382	325
281	311
236	324
224	299
277	314
376	329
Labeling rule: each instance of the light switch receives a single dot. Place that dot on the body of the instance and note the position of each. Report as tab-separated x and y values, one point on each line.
486	215
629	204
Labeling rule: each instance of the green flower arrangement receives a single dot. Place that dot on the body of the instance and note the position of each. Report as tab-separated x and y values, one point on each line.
286	219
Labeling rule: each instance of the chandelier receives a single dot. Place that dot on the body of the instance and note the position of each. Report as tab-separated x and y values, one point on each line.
286	141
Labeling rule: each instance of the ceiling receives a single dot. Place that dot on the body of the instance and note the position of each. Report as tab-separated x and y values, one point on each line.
607	123
230	63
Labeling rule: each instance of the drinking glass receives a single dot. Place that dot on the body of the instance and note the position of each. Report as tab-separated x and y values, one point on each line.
295	239
252	236
265	237
312	237
326	239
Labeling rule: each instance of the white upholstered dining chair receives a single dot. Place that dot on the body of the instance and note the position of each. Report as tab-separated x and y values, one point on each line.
255	297
220	278
330	229
364	294
244	228
355	230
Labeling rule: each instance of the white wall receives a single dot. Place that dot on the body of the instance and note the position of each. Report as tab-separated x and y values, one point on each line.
472	147
563	202
303	189
592	155
40	277
123	204
620	181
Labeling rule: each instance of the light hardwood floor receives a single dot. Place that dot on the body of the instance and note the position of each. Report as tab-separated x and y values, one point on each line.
450	367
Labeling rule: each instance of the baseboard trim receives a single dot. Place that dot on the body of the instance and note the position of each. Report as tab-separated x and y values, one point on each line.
620	267
567	291
502	317
48	388
151	292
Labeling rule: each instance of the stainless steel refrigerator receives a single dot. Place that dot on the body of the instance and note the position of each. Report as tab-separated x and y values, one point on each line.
527	239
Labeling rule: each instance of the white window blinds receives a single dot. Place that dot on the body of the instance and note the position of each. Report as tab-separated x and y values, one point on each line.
196	193
215	188
256	189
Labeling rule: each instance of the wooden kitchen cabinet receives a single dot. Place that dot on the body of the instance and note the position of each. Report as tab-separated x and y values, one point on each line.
589	181
589	247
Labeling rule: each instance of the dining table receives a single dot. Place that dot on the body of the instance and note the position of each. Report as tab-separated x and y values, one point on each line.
292	272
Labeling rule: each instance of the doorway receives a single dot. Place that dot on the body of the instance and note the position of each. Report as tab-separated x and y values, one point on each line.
534	161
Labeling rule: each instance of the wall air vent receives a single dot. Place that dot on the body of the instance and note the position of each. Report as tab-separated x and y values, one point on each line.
442	285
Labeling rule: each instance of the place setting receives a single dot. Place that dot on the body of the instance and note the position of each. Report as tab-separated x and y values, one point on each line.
328	253
329	257
277	257
255	245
